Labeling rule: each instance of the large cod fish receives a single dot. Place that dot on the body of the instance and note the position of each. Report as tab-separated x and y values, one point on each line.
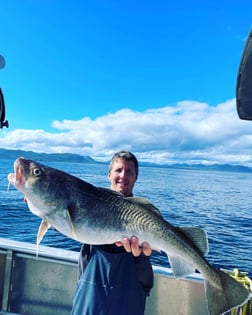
95	215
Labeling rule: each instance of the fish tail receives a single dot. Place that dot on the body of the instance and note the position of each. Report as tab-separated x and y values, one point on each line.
231	294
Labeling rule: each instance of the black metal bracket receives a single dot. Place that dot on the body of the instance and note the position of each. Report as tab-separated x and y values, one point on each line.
244	82
3	122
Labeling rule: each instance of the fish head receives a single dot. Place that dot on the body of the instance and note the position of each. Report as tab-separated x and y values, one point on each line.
26	174
33	180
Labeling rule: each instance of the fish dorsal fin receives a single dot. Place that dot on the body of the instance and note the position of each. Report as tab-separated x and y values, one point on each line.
43	228
139	201
108	190
143	202
198	237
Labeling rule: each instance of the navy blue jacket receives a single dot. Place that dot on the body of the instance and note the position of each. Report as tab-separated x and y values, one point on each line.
111	282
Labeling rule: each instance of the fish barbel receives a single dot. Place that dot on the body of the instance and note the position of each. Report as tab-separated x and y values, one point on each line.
95	215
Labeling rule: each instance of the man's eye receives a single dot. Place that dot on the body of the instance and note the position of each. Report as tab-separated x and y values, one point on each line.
130	172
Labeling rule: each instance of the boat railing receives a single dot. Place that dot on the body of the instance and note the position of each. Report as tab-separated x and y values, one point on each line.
45	284
36	285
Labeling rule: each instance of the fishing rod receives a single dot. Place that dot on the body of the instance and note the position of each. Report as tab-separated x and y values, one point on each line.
3	122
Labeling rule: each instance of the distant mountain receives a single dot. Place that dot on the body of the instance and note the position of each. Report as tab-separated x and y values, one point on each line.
214	167
75	158
45	157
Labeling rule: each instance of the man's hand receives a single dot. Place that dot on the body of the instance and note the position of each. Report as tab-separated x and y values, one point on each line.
132	246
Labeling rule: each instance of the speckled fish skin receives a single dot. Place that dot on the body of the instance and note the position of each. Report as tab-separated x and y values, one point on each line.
96	215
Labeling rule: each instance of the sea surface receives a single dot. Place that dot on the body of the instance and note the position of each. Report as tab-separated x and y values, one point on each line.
217	201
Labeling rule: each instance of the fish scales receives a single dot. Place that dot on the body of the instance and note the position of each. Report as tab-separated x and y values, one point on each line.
97	215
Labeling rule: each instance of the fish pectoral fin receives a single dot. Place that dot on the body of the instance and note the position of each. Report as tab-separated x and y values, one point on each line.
43	228
198	237
180	267
68	211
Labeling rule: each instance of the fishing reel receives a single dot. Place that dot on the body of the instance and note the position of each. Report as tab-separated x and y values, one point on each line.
3	122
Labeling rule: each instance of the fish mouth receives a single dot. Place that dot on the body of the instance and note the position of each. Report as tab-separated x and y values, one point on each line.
17	179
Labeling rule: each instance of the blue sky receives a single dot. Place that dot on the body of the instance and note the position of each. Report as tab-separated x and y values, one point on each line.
155	77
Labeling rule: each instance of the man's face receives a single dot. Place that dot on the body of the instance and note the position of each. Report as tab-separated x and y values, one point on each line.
123	176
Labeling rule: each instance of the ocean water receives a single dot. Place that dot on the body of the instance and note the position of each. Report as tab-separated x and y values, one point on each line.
219	202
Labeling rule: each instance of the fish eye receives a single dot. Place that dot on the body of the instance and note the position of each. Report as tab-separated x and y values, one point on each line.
36	171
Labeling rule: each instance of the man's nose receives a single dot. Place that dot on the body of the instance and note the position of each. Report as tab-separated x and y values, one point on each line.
123	173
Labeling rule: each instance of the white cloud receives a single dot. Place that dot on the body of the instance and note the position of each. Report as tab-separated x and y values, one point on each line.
187	132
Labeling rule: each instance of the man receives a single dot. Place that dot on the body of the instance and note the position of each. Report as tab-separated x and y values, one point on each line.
116	278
